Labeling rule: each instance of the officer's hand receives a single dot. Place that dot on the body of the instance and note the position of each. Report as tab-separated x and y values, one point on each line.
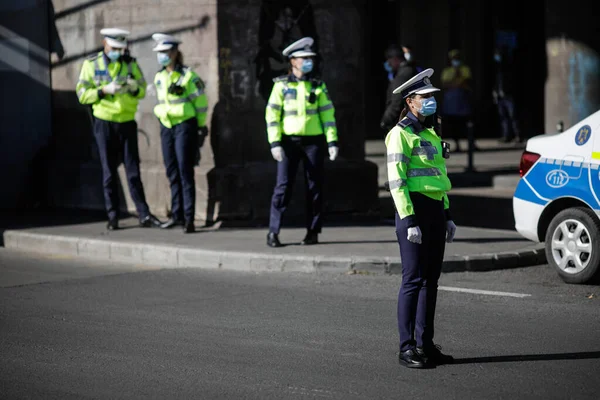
333	152
450	231
414	235
278	153
112	88
132	85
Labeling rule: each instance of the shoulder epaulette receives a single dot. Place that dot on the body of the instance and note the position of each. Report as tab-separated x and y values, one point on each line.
405	122
282	78
92	57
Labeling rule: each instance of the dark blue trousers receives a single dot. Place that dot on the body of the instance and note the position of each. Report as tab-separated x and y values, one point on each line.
311	151
179	145
421	269
508	120
116	142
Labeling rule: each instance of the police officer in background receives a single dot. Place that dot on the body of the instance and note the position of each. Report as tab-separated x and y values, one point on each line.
181	110
113	84
301	125
419	183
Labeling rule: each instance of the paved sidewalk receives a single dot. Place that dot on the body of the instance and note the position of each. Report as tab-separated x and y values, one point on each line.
486	238
343	248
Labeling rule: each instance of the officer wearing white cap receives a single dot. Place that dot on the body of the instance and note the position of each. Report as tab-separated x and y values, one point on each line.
112	83
301	125
418	182
181	110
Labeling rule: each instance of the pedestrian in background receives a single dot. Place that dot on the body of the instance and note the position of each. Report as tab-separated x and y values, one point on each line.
457	107
419	183
503	95
400	70
181	110
113	84
301	125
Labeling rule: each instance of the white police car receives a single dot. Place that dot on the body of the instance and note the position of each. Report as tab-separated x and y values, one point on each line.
557	200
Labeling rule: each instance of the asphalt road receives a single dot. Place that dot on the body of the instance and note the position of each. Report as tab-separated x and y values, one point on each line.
76	329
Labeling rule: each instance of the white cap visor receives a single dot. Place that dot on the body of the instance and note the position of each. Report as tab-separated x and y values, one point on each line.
163	47
116	44
427	90
302	53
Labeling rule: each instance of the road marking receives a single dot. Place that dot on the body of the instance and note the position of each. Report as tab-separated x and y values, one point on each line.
486	292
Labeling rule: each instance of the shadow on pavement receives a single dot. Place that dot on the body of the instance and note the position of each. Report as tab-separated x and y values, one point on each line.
47	217
530	357
469	210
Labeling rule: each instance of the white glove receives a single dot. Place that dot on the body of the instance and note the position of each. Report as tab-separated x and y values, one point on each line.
414	235
333	152
112	88
450	231
277	153
132	85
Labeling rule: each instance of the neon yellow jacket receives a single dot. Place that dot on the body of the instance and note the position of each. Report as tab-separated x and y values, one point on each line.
415	163
289	111
97	72
172	109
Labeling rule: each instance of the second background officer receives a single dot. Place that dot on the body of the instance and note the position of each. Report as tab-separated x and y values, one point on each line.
300	120
181	109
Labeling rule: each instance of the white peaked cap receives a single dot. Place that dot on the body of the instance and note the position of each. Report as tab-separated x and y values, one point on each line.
300	48
418	84
115	37
164	42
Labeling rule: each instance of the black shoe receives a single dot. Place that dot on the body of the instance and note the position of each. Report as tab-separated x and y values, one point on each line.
434	355
310	238
113	224
150	221
171	223
410	359
273	240
189	227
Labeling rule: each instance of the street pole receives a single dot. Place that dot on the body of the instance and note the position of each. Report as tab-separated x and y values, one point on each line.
470	146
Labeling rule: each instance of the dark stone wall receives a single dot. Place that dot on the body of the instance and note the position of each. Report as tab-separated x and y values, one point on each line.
25	106
252	35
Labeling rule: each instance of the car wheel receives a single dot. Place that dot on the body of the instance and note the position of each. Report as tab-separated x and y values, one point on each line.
570	245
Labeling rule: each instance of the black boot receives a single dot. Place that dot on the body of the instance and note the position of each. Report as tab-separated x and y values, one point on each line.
433	355
150	221
273	240
310	238
189	227
113	224
410	359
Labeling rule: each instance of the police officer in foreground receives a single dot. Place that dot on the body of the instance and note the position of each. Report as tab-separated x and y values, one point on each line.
112	83
301	125
181	110
419	183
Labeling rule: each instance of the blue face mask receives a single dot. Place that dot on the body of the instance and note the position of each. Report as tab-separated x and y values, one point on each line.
113	55
456	63
387	67
163	59
307	66
428	106
497	57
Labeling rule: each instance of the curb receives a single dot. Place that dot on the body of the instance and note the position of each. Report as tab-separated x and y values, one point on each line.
188	257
